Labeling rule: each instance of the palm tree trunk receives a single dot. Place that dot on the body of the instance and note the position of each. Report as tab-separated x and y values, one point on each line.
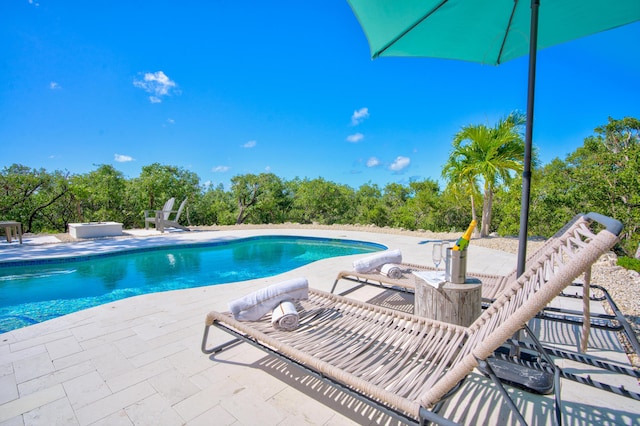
474	216
486	212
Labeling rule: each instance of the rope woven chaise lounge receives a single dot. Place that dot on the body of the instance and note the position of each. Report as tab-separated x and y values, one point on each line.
406	365
493	284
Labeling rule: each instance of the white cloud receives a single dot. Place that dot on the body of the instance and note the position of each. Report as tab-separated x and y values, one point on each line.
373	162
220	169
359	115
249	144
171	121
400	163
122	158
54	86
35	3
267	169
355	138
157	83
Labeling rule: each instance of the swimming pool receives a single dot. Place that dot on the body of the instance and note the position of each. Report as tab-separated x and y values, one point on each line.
35	291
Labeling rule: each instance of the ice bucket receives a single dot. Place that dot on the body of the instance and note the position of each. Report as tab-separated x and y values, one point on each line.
455	266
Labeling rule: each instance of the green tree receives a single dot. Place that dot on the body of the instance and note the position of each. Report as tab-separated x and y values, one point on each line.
369	206
395	198
214	207
274	201
155	185
423	204
490	154
99	195
606	172
462	183
32	197
324	202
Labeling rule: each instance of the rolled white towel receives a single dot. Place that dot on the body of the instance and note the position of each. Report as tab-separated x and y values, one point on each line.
375	261
285	316
253	306
390	270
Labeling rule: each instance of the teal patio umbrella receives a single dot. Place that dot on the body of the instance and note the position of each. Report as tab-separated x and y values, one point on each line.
489	32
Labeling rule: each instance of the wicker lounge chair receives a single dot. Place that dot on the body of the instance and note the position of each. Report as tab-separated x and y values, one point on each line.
494	284
407	365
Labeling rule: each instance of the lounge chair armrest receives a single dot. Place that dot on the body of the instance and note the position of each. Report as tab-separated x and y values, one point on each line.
614	226
152	213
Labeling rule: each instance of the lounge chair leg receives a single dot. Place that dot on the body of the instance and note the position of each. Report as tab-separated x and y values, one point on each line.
215	349
486	367
335	283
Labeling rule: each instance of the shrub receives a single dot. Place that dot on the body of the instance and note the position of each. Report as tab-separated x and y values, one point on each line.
629	263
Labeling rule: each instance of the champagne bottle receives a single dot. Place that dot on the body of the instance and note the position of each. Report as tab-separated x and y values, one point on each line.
463	241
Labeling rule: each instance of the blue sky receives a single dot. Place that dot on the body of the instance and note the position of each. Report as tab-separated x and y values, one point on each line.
227	88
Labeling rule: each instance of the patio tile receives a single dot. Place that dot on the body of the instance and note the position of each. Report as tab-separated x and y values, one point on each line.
10	357
173	386
31	402
58	412
96	330
189	362
29	340
108	338
217	414
8	388
138	375
32	367
86	355
156	354
248	408
63	347
86	389
299	409
119	418
54	378
153	411
112	364
176	336
131	346
15	421
6	369
204	400
113	403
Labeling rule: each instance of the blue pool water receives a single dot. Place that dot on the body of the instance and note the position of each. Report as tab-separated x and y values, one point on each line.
36	291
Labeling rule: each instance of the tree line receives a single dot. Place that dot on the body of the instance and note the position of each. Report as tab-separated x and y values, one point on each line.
602	175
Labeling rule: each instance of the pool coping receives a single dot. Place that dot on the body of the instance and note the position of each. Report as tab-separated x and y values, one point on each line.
46	259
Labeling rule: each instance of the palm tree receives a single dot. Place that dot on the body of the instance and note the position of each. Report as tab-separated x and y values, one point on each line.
487	156
461	182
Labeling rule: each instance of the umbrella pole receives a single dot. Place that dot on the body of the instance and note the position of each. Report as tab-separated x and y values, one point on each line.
526	172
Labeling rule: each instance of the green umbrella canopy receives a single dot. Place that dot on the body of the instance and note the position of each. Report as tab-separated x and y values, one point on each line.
489	31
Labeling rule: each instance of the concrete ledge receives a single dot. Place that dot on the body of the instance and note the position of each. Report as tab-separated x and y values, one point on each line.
95	229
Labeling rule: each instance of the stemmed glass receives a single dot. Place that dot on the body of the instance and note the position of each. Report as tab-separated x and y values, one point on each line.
436	255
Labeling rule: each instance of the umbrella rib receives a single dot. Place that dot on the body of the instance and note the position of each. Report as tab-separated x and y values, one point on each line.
411	27
506	33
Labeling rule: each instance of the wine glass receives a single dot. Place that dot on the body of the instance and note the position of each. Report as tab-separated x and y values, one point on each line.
436	255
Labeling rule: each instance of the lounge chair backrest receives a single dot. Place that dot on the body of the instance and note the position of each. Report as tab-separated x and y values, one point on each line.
564	258
491	292
182	204
168	206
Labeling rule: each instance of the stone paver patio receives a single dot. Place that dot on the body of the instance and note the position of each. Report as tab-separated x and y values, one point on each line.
137	361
